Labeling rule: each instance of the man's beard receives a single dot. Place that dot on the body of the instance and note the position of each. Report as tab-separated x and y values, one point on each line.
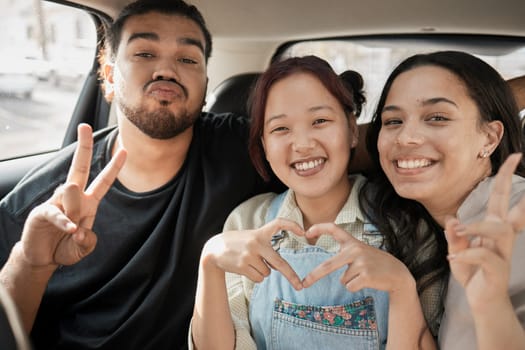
160	124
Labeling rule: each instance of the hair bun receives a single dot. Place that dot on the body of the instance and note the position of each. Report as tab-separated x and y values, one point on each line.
354	82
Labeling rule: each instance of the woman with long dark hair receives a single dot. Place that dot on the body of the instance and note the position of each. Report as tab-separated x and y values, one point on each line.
444	125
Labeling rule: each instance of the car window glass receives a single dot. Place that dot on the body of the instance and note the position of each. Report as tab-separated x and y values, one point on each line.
48	50
375	59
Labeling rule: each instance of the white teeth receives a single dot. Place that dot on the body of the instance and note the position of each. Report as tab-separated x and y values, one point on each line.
308	165
413	163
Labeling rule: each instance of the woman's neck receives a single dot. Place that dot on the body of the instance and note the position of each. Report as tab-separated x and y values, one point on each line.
443	208
324	208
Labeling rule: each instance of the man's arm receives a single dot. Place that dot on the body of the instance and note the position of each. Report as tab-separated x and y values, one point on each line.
25	284
58	232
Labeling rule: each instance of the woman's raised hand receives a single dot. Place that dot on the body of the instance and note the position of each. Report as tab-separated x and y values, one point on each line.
480	253
250	253
367	266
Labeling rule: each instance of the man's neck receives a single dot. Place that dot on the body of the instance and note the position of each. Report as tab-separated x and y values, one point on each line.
150	163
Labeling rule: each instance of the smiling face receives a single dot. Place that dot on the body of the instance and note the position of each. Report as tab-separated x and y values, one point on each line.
307	137
159	76
431	141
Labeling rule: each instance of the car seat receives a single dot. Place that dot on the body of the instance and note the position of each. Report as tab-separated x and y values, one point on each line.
232	94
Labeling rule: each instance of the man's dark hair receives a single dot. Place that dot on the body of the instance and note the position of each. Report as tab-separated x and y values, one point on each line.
168	7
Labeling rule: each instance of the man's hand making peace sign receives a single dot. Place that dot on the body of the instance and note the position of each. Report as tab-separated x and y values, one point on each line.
58	231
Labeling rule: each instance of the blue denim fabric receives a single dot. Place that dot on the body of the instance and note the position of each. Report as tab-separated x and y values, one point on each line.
276	328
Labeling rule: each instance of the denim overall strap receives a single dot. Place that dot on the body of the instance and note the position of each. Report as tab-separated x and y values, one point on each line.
275	204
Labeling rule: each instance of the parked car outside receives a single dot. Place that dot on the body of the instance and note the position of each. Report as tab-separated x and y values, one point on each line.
17	77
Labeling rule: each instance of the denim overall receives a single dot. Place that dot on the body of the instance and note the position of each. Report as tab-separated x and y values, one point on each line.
323	316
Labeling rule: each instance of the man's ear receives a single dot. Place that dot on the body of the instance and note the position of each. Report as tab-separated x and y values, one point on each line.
108	71
495	130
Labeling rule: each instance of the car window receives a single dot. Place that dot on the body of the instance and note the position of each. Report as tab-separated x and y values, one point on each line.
48	50
375	57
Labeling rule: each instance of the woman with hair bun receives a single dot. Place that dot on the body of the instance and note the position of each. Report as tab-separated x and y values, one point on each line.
304	269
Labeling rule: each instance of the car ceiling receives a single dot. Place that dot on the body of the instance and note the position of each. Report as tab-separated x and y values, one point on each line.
278	20
247	33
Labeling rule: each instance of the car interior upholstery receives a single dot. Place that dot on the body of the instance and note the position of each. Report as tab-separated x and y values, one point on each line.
232	94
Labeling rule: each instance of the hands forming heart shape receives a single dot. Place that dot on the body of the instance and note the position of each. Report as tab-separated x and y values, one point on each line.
251	253
474	262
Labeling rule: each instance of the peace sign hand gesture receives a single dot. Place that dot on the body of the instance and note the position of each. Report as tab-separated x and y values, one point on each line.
480	253
58	232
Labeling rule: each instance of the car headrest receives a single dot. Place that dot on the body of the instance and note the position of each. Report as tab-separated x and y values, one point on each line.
232	94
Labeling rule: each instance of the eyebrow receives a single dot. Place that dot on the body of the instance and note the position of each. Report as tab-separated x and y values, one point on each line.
424	103
193	42
311	109
144	35
318	108
155	37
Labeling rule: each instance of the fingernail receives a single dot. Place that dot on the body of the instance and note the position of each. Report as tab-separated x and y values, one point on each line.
475	241
70	227
451	256
460	229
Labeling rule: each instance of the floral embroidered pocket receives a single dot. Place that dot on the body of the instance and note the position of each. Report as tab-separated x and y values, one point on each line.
359	315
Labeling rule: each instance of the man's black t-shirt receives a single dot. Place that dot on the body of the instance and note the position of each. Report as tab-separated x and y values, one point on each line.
136	290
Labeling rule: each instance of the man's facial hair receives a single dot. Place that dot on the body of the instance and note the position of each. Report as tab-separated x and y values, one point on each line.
159	124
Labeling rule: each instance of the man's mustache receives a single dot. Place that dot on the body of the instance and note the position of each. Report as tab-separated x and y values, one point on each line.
171	80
